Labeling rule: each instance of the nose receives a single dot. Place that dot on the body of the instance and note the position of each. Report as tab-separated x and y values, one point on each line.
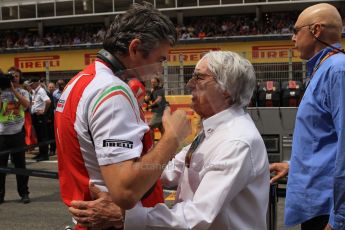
293	38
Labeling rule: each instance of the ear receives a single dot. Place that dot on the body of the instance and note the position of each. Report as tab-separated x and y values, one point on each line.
133	48
226	94
228	97
316	30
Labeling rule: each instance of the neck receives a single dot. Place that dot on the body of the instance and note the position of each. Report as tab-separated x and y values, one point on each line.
327	43
318	47
124	60
215	111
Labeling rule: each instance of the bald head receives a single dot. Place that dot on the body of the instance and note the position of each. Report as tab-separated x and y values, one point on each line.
326	15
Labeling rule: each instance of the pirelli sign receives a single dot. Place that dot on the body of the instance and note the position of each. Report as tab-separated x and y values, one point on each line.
187	55
37	62
274	52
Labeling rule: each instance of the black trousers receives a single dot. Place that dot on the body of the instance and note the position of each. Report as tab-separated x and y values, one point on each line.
51	135
316	223
18	159
40	124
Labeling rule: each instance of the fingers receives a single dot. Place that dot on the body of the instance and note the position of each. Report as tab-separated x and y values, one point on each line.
278	176
97	194
95	191
81	216
275	178
176	124
280	169
84	221
89	218
78	204
273	167
78	212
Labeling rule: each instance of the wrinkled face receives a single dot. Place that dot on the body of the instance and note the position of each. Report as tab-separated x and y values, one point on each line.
51	87
207	96
303	38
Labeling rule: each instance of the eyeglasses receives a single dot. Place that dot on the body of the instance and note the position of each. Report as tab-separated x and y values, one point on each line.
295	30
200	76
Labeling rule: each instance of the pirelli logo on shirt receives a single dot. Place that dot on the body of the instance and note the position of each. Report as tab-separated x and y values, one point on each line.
117	143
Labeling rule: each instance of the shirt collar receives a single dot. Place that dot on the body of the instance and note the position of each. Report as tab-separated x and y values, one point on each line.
36	90
315	60
211	124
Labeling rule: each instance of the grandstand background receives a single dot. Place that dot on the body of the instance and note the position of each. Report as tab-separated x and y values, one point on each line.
55	39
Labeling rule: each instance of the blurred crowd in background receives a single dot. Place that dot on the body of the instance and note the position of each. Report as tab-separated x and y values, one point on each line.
193	28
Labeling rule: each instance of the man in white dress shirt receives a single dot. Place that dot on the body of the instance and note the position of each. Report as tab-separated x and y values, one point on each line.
39	108
223	176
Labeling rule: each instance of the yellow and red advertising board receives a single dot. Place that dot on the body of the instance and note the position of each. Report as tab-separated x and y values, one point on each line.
189	54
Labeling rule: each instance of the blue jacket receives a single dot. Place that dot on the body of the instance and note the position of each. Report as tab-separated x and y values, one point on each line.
316	184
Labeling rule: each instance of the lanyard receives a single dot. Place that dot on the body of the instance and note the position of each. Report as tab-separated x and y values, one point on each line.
329	54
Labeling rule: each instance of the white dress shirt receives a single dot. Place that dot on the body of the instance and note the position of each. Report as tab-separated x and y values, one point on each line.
39	99
226	186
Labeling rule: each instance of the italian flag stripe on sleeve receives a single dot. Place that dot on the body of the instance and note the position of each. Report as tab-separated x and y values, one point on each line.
112	92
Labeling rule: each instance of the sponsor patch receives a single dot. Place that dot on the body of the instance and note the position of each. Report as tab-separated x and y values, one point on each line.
117	143
60	105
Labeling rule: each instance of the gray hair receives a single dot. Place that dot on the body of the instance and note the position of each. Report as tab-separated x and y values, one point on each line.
234	74
143	22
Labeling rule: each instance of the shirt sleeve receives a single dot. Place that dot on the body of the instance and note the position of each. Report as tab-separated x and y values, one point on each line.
116	127
227	175
25	94
172	173
337	98
43	95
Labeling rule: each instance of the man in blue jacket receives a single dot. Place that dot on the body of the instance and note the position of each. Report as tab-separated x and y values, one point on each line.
316	187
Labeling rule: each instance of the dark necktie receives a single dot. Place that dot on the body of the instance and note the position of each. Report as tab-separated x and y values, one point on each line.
197	141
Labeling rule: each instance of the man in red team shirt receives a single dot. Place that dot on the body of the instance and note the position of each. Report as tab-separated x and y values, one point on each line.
101	136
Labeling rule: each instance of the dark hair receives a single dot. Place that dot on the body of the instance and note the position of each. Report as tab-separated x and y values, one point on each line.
157	79
143	22
17	70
